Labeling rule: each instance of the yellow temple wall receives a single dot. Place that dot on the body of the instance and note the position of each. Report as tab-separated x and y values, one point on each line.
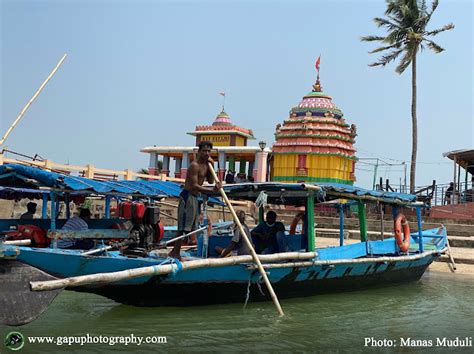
216	140
239	141
320	168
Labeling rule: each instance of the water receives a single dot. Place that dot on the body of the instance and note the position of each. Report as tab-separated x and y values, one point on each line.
440	305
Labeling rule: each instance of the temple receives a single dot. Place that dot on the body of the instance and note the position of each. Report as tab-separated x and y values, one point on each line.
315	144
230	148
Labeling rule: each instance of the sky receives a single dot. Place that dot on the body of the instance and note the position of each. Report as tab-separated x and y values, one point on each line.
143	73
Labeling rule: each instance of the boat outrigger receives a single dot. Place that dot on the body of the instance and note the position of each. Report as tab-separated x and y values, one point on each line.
32	277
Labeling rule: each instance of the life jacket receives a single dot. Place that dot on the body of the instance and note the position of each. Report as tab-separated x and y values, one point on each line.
30	232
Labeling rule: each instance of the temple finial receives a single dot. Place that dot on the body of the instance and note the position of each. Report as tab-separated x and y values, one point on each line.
223	100
317	86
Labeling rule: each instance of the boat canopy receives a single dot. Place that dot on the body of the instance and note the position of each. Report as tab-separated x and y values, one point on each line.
297	193
22	179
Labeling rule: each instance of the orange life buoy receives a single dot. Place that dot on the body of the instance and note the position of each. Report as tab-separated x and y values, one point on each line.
295	222
403	239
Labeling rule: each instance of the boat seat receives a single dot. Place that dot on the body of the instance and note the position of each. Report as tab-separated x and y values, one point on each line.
294	242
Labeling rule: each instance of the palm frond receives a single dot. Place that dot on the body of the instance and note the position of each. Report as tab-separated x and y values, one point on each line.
394	7
434	5
423	7
372	38
447	27
434	47
382	22
384	60
381	49
405	62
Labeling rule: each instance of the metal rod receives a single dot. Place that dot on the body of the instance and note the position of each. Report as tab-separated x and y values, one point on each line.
183	236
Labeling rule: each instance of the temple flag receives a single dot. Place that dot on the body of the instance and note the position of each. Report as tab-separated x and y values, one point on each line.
318	62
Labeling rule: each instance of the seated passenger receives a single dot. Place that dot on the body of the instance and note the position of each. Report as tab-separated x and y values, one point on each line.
269	235
237	245
30	214
77	223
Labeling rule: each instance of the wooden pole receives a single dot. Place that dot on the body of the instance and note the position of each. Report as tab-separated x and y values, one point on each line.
31	101
101	278
450	255
248	243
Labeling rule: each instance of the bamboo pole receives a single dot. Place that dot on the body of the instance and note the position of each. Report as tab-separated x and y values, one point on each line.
214	263
408	258
97	250
31	101
248	243
17	243
450	254
162	269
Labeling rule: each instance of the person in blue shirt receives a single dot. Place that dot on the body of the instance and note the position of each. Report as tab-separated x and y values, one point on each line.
269	235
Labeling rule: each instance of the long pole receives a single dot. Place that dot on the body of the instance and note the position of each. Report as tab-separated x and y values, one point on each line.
249	244
375	173
31	100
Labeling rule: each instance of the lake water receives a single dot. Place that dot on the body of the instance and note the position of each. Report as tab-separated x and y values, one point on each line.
438	306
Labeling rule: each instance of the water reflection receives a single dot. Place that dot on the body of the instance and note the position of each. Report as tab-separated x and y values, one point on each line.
437	306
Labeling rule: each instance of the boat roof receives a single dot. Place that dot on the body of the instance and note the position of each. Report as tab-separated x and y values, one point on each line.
297	193
21	179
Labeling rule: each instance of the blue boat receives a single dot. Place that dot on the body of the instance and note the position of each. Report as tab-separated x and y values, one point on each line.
36	275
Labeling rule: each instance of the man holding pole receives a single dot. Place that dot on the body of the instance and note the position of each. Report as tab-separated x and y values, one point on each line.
188	208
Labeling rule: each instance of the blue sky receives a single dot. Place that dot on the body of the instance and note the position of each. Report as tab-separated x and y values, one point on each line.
140	73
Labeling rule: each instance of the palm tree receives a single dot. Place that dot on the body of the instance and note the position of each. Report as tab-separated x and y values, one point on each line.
145	171
406	22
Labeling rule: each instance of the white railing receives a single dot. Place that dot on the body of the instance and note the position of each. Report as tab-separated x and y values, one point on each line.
89	171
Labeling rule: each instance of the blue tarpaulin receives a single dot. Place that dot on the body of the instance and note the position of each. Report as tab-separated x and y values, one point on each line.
41	178
296	193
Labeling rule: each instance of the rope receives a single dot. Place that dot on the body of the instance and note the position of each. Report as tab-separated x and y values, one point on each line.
259	282
248	292
247	296
179	264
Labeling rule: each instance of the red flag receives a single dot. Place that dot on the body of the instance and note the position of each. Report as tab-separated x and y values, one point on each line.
318	62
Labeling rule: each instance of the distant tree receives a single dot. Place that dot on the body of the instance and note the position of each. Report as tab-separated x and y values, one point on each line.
144	171
406	22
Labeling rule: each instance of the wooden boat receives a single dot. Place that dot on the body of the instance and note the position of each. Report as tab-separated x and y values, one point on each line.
34	276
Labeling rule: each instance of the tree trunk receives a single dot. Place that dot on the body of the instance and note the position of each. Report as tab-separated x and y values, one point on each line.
414	131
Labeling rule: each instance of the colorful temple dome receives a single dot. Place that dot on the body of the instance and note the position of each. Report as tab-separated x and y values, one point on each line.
314	144
222	119
222	132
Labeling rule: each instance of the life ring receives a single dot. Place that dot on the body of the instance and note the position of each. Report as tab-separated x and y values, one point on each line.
295	222
402	238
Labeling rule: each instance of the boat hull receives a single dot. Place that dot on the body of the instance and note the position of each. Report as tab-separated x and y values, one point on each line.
158	292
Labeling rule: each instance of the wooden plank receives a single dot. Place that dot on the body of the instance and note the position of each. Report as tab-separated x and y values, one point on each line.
92	233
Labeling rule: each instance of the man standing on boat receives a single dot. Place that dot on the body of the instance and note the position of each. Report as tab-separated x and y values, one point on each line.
188	208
